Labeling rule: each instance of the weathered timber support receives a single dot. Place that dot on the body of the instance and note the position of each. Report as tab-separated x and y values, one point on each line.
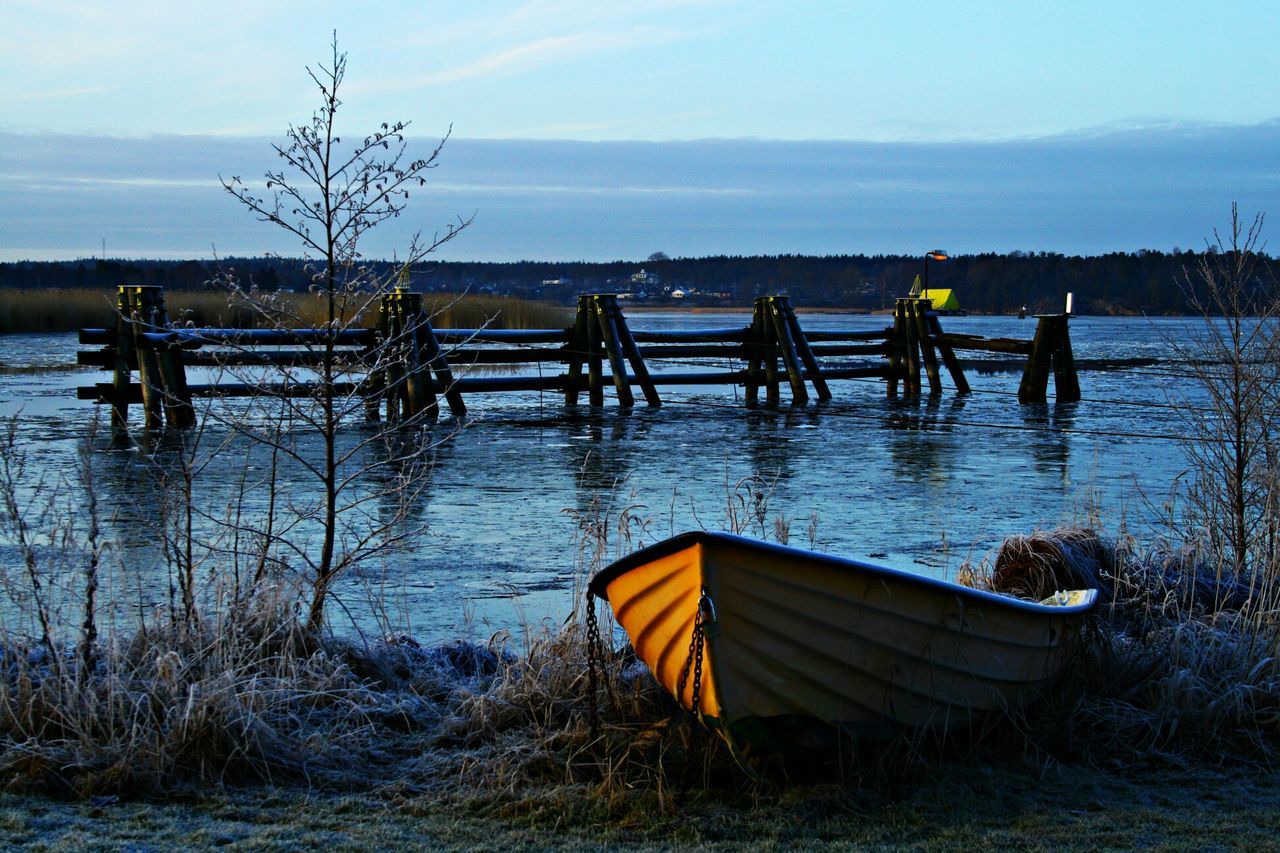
753	352
600	331
602	305
575	355
917	340
807	357
920	309
413	373
595	358
769	352
1050	349
775	309
412	356
1066	383
140	310
178	410
911	345
629	348
897	351
948	356
776	333
121	370
405	378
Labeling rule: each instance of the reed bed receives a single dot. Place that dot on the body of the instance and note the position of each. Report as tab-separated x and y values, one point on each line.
66	310
250	696
1178	667
1180	663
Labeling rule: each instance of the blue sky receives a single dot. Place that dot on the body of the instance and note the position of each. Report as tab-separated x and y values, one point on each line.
603	130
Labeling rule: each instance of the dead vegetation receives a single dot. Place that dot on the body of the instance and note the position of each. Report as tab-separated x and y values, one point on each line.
1165	675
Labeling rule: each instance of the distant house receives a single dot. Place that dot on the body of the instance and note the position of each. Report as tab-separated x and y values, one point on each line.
644	278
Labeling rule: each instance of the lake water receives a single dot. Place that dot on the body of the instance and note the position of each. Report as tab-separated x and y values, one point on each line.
920	486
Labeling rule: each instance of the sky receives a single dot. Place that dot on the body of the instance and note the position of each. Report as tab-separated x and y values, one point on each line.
589	130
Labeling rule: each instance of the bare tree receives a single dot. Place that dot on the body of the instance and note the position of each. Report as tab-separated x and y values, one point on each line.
329	197
1233	494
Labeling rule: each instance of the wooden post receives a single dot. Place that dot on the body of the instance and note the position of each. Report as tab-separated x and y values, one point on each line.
392	359
912	339
628	342
595	372
125	354
1035	377
178	410
430	355
897	350
769	353
920	308
412	328
605	304
754	353
576	352
806	353
948	356
786	345
1066	384
146	314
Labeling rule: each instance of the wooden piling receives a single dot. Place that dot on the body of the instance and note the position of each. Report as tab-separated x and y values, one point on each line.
776	306
432	357
178	410
418	387
575	353
1035	376
897	351
948	356
1066	384
769	354
753	353
920	308
125	357
146	312
605	305
911	340
595	372
632	352
807	357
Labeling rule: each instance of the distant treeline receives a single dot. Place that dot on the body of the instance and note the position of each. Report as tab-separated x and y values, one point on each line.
1146	281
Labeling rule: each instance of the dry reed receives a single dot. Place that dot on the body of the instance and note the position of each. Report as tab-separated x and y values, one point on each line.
1179	663
66	310
1174	668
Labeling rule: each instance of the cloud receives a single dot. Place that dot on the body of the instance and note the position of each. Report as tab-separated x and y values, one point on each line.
1088	193
527	56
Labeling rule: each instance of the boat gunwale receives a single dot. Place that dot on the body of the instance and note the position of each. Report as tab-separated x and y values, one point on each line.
599	584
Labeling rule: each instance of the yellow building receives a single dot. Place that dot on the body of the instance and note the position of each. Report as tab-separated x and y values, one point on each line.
944	299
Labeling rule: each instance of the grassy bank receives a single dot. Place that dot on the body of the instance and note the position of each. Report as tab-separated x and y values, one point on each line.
960	807
68	310
1173	673
239	724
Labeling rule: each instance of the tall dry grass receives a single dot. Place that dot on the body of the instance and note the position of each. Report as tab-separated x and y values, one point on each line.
66	310
1173	669
1180	663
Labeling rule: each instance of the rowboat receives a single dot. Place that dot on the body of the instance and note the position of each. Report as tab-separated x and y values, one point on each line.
752	631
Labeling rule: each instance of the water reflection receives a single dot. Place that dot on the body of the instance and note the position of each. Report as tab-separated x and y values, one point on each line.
887	478
600	449
1050	425
922	439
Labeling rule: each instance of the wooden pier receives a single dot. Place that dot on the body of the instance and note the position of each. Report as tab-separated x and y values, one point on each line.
403	367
